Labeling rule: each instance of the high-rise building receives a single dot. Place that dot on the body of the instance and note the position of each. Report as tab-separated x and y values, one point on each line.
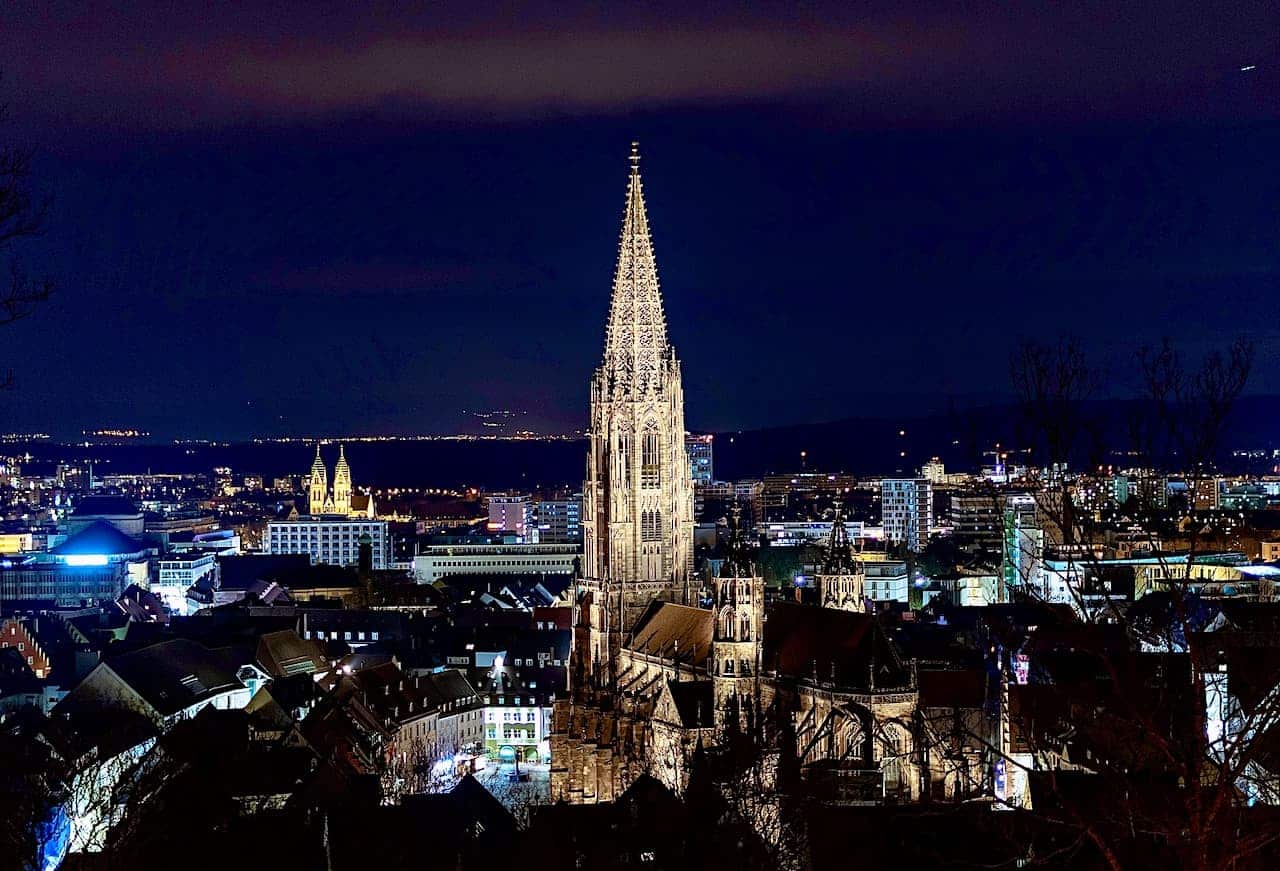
976	520
906	508
699	448
934	471
1206	493
559	520
637	499
511	512
1022	558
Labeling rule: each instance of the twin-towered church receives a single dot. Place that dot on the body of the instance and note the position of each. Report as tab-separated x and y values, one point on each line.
341	500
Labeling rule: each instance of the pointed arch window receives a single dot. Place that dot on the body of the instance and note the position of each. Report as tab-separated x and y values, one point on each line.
624	455
651	526
726	624
650	467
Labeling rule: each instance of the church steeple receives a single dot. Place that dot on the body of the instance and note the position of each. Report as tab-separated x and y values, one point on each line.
637	510
841	577
636	337
319	487
838	556
342	484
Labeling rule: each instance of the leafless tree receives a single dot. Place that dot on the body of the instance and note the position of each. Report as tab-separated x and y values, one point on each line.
1140	707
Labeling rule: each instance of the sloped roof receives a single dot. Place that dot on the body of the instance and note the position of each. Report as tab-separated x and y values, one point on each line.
175	674
284	653
97	538
666	628
841	647
452	686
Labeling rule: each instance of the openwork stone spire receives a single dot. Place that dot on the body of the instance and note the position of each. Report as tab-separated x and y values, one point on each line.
637	498
636	337
838	558
738	562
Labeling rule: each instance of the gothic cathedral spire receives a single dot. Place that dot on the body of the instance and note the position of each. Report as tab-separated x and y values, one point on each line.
342	484
319	488
638	496
636	337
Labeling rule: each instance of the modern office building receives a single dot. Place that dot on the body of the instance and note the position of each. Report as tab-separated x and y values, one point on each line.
886	581
935	471
178	572
977	520
511	512
906	506
699	449
330	540
559	521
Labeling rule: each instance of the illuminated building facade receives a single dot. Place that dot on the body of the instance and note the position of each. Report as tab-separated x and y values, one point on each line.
637	499
906	506
699	448
341	500
559	520
511	512
651	675
330	540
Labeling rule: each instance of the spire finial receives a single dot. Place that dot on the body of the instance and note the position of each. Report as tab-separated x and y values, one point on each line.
635	157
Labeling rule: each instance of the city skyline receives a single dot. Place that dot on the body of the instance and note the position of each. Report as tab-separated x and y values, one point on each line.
384	256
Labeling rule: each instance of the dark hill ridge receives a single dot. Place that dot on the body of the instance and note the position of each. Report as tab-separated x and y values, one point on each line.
868	445
872	445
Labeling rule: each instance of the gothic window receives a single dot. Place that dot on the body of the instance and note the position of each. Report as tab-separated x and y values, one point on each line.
624	455
651	526
649	466
726	624
744	631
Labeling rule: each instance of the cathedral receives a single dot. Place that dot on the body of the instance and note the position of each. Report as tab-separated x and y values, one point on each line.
342	500
654	676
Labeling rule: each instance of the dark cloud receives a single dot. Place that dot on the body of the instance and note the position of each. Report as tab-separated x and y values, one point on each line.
317	209
181	66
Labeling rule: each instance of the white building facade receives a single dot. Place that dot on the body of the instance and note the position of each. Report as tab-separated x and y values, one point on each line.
437	562
906	506
330	540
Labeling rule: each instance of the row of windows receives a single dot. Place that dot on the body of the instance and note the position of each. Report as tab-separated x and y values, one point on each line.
563	562
340	636
651	526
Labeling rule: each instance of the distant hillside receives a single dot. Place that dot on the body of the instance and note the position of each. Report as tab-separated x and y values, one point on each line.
872	445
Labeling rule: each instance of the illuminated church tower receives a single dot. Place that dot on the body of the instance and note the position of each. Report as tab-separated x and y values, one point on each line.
841	577
319	489
739	633
342	484
637	513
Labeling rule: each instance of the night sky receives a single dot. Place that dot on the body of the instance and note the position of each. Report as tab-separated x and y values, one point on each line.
306	218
